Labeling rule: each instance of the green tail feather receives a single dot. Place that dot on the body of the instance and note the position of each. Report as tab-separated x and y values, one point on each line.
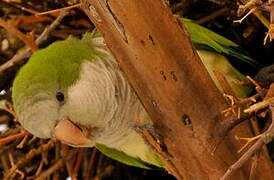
204	38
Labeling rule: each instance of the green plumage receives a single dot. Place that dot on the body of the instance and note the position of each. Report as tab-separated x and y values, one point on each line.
58	62
204	36
58	67
207	39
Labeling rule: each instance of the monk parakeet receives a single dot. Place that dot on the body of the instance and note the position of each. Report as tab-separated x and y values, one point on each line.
74	91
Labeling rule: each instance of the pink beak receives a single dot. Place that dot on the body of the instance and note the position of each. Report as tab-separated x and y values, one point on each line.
69	133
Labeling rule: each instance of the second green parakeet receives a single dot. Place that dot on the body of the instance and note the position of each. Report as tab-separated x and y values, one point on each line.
73	90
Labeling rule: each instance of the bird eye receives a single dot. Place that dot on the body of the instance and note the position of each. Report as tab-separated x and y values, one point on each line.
60	96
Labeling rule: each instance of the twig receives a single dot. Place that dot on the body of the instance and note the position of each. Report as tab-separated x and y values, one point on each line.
242	101
43	161
19	6
22	175
65	152
258	106
8	147
224	83
13	137
39	169
21	144
248	5
269	7
248	141
32	139
258	88
4	162
29	155
100	162
245	16
105	172
9	109
215	14
28	39
237	165
19	57
52	169
259	15
77	164
265	139
236	104
58	10
255	159
158	145
175	8
55	166
91	164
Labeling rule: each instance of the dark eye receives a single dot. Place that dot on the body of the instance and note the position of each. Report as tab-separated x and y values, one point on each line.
60	96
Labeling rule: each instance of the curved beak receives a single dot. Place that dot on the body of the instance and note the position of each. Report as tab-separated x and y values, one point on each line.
69	133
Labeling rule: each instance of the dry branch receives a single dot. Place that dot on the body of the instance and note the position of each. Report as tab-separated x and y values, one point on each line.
29	156
266	137
27	39
150	44
13	137
57	165
258	14
20	56
77	164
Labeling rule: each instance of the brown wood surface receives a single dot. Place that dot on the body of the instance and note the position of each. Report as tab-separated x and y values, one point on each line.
157	57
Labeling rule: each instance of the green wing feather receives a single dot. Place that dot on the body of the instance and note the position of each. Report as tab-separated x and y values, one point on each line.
204	38
124	158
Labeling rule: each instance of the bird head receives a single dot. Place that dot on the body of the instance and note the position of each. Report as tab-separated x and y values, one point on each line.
51	98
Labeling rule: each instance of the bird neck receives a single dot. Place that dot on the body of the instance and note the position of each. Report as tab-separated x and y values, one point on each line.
124	109
112	101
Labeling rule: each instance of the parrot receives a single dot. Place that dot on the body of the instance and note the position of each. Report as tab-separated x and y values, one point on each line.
74	91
